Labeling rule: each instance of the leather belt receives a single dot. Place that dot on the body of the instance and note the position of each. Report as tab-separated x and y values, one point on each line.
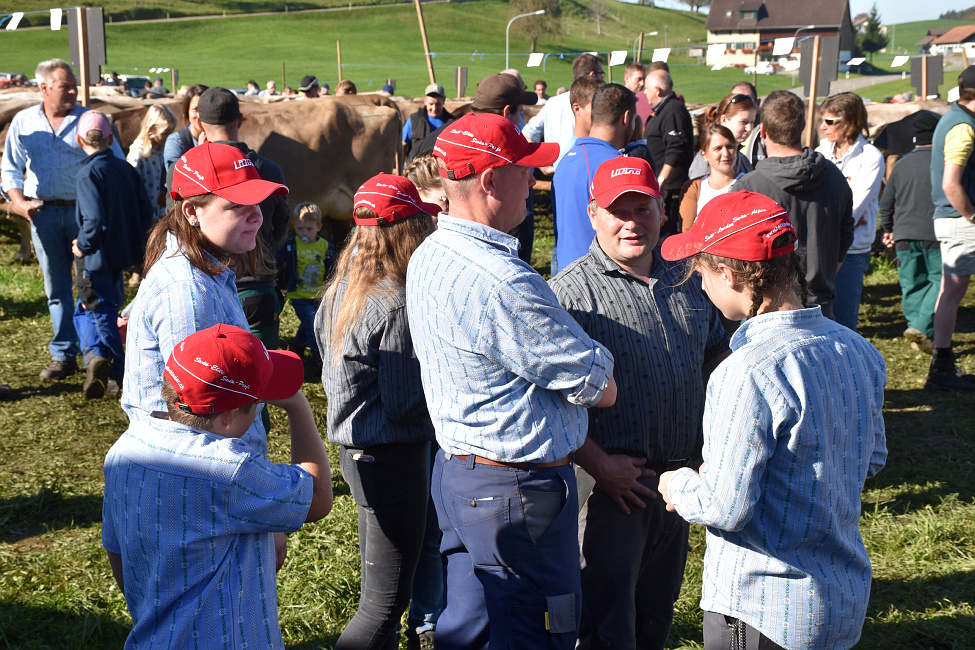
659	467
57	203
480	460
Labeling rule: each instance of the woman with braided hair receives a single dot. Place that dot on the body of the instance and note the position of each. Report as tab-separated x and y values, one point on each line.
792	429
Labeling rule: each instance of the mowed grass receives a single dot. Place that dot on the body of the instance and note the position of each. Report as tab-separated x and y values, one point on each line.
384	42
56	589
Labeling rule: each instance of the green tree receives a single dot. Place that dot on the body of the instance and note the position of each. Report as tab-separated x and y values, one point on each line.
697	5
537	26
872	38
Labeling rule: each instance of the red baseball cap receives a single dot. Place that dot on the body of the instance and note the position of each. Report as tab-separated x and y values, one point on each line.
480	141
224	367
391	198
738	225
621	175
223	170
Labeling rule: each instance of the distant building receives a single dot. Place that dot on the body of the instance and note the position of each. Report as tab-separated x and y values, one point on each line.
924	45
955	39
745	26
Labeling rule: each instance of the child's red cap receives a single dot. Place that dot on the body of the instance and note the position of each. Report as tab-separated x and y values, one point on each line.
738	225
224	367
391	198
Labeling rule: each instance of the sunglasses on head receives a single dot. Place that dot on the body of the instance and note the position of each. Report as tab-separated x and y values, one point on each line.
830	121
740	98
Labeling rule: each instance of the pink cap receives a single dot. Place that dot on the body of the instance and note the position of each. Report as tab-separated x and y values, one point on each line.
93	121
223	170
480	141
391	198
738	225
224	367
619	176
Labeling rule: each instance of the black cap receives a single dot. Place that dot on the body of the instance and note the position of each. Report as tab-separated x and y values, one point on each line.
499	90
967	78
924	123
308	82
218	106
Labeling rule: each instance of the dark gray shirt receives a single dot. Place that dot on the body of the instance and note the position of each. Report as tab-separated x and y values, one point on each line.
661	334
908	198
375	396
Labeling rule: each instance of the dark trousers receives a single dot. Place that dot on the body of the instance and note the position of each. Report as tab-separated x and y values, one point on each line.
632	570
427	597
305	309
510	539
100	295
919	272
390	485
726	633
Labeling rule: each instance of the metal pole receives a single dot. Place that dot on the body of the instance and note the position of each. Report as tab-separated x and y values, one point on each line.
426	43
813	79
507	31
83	55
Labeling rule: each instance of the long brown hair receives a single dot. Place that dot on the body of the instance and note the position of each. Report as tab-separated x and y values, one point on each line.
199	250
729	107
372	255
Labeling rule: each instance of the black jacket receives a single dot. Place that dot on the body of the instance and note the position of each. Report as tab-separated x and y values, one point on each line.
820	204
670	137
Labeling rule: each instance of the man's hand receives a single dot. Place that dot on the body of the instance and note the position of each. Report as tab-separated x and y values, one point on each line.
618	476
74	248
663	487
888	239
280	550
25	208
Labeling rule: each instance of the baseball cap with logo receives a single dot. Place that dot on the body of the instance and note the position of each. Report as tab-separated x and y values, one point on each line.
480	141
218	106
223	170
224	367
435	89
499	90
621	175
743	226
93	121
391	198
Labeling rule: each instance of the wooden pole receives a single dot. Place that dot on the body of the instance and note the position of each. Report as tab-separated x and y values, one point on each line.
426	43
813	91
639	49
174	75
84	99
964	57
338	50
283	78
924	78
755	66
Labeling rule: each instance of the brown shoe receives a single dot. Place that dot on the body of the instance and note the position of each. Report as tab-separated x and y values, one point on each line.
96	377
60	369
919	340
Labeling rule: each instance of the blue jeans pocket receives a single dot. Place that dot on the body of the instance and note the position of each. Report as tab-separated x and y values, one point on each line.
541	509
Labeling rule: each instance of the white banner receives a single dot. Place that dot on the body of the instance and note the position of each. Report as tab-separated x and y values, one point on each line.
55	20
535	59
719	66
856	61
661	54
899	61
783	46
716	51
617	57
15	19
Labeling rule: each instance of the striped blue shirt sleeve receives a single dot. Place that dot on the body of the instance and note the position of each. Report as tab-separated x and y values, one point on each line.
267	497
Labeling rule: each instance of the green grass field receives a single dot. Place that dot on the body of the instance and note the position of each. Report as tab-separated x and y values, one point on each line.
56	590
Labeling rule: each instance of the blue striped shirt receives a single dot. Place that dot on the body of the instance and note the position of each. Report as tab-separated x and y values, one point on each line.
175	300
507	373
792	429
40	161
191	513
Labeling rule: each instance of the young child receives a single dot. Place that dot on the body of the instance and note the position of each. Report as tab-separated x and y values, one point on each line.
190	507
146	154
304	263
113	215
793	427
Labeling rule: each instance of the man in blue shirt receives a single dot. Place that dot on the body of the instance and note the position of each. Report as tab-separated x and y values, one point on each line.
41	158
614	120
507	375
426	120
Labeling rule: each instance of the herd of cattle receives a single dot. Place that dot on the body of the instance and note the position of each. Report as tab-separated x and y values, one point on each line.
329	146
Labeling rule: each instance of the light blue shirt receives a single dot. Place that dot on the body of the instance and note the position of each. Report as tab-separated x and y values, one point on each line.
191	513
507	373
175	300
40	161
792	429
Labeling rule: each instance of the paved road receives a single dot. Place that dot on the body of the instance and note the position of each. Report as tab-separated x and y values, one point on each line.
842	85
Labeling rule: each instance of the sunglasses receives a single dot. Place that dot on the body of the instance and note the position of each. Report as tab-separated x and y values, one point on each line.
831	121
740	98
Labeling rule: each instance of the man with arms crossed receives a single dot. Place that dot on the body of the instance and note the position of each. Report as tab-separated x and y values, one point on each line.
507	375
666	338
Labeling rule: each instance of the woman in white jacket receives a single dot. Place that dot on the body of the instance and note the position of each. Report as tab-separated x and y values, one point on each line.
844	125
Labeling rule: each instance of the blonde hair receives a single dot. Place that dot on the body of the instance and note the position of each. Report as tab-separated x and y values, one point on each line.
373	261
423	173
159	120
307	212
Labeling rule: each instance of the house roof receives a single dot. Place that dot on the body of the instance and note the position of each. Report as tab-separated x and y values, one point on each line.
778	14
933	33
956	35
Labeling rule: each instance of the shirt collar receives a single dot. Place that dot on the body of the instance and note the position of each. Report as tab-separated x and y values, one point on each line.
476	230
796	318
609	267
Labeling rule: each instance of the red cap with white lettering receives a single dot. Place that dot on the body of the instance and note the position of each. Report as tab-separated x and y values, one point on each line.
224	367
621	175
480	141
391	199
223	170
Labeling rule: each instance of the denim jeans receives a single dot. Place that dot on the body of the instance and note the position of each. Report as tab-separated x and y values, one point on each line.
427	598
52	231
849	286
305	309
510	537
97	320
390	484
